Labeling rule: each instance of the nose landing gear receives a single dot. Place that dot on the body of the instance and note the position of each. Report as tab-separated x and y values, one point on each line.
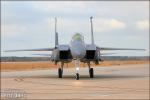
77	65
77	76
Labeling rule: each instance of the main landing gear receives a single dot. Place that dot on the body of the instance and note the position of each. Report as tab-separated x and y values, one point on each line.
77	65
60	71
91	71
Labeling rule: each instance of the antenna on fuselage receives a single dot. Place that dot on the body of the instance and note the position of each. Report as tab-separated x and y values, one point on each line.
56	34
92	36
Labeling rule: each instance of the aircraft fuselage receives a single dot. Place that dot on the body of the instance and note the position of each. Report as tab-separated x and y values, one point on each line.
78	49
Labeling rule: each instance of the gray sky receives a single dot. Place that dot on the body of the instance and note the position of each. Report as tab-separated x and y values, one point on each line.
30	24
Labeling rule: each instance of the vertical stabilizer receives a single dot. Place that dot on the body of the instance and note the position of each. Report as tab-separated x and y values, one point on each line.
92	36
56	34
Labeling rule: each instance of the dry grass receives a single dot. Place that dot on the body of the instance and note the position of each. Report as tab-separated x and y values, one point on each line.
12	66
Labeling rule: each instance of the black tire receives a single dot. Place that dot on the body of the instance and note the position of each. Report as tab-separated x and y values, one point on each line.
77	76
91	72
59	73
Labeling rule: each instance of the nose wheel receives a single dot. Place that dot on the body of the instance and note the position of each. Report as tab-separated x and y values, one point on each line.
77	65
77	76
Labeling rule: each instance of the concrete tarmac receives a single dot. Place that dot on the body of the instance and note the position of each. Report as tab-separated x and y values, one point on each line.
114	82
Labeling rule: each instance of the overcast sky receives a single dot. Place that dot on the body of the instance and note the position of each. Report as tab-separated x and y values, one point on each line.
30	24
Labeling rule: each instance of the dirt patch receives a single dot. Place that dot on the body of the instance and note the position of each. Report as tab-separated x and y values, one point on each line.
12	66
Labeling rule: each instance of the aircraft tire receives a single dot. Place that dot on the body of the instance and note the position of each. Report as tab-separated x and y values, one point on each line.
91	73
77	76
59	73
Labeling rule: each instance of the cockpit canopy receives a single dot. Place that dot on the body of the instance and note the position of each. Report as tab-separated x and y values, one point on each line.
77	37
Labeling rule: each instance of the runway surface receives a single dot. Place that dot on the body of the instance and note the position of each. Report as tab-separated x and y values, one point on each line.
115	82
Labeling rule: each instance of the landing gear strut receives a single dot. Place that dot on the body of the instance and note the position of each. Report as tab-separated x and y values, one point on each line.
91	71
60	70
77	65
59	73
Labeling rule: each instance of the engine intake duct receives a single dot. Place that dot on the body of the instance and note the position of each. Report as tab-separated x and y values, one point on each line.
64	54
90	54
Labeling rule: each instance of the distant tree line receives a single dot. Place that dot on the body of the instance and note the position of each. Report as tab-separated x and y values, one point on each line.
21	59
125	58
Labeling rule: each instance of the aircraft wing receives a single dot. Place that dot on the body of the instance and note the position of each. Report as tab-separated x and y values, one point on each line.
47	55
107	53
109	48
39	49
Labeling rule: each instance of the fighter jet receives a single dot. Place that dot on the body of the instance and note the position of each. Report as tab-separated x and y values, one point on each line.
77	51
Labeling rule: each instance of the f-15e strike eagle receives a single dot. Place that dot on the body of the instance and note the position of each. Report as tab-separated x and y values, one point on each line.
77	50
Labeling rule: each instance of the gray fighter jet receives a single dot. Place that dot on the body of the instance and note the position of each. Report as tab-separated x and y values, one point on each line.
77	50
